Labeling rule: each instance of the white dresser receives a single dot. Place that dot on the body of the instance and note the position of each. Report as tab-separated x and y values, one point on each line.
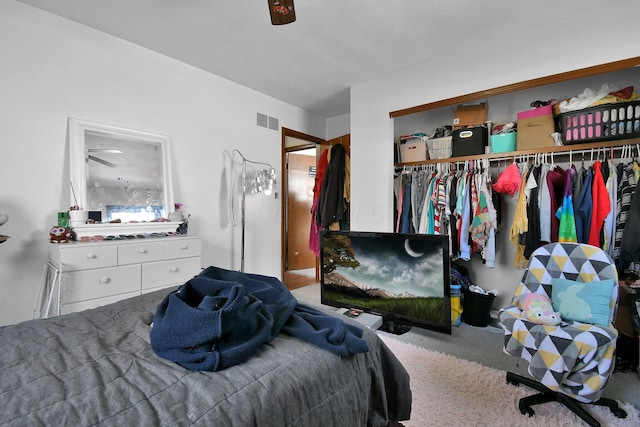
84	275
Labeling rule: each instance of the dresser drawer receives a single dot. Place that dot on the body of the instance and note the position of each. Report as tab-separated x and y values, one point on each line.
86	257
136	253
183	248
90	284
167	273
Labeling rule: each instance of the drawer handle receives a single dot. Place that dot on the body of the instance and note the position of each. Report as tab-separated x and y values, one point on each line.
142	251
92	256
174	269
105	280
185	247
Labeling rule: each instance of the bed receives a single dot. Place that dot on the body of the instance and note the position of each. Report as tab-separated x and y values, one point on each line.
97	367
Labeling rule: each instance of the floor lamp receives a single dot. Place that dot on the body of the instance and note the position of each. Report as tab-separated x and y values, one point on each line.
261	181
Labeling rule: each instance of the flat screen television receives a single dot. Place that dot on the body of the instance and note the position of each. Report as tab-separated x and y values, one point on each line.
402	277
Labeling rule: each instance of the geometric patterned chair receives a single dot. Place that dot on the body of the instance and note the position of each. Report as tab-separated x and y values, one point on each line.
570	362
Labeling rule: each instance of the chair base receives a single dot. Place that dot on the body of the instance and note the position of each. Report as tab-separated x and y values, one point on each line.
547	395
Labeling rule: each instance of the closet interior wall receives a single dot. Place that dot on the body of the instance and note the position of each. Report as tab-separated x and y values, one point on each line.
504	108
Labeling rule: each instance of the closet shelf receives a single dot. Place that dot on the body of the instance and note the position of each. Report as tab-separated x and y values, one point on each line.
561	150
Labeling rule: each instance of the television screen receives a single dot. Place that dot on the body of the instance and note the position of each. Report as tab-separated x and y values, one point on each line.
402	277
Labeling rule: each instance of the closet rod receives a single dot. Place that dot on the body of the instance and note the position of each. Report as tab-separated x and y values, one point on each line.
555	150
633	148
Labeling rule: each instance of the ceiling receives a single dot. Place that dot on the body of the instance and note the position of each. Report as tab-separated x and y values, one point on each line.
332	46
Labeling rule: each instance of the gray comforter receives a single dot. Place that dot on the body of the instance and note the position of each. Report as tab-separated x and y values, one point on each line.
97	368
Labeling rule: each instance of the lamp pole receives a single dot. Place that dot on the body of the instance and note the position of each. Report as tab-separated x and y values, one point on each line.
243	175
242	208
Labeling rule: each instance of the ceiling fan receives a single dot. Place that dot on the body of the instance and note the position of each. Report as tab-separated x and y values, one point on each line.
98	159
281	11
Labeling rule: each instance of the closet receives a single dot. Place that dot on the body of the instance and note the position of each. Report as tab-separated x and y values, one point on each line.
504	102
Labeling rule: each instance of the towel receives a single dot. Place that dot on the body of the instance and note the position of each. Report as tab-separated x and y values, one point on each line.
221	317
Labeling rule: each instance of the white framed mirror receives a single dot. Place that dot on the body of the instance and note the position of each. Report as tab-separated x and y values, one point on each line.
123	173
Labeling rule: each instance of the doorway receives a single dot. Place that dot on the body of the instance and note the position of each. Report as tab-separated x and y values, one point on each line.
299	159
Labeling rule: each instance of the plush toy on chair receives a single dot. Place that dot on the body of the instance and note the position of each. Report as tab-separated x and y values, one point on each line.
538	309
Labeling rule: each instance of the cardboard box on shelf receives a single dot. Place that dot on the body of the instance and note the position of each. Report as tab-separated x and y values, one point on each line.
470	115
535	132
536	112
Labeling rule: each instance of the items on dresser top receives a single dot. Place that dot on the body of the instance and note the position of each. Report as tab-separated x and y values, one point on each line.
83	275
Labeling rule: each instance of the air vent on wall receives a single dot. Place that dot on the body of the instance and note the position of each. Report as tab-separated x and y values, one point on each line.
267	122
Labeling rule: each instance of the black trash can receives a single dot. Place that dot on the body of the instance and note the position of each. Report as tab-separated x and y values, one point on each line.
477	308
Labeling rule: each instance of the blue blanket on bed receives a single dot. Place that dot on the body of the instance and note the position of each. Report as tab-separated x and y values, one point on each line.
220	317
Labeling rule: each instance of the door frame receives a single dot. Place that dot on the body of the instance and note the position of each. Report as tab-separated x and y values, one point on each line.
306	142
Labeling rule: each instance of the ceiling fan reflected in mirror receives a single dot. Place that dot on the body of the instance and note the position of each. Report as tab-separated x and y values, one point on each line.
103	151
281	11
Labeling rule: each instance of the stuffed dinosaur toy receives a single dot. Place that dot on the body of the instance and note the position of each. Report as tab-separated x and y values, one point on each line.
538	309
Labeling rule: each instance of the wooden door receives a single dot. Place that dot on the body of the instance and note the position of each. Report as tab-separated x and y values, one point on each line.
301	176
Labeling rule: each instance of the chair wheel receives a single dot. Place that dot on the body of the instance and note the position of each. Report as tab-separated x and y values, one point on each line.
525	409
619	412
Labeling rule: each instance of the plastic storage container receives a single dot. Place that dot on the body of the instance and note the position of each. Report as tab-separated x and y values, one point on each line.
413	149
600	123
503	142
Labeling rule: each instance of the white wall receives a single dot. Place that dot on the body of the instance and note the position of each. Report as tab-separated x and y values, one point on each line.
52	68
580	43
338	126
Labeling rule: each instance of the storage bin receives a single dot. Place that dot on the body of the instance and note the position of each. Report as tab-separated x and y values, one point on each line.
413	150
439	148
503	142
603	122
477	308
469	141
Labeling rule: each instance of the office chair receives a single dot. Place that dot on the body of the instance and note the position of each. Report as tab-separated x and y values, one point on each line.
570	363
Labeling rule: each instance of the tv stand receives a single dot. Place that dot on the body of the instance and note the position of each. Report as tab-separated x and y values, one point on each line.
394	327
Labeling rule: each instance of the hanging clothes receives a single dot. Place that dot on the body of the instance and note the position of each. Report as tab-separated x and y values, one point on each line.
610	220
331	206
454	245
532	240
565	214
314	232
555	182
482	220
418	194
426	219
601	205
489	216
626	190
405	222
630	245
397	192
465	219
520	225
583	209
544	203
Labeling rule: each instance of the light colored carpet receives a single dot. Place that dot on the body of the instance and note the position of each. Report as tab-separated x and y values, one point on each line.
448	391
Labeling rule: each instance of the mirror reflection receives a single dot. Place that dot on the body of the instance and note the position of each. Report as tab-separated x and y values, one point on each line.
122	173
124	178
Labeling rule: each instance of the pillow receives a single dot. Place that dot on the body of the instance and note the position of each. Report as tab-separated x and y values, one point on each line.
586	302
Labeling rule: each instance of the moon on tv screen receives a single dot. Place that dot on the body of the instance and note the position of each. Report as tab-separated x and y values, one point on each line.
407	248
